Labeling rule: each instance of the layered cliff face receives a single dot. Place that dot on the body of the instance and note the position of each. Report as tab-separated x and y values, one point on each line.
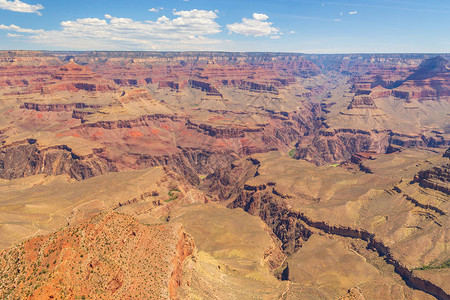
257	97
207	72
27	59
138	128
430	80
25	69
377	117
339	145
198	148
437	178
28	158
430	68
362	101
73	77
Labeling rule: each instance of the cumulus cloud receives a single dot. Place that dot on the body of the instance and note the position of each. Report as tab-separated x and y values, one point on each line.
156	9
19	29
257	26
260	17
20	6
186	30
13	35
352	12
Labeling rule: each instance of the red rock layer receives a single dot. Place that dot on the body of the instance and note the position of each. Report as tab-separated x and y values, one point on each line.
26	68
73	77
438	86
430	80
247	72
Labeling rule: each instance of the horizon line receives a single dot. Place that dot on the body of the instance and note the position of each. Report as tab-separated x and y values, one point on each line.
222	51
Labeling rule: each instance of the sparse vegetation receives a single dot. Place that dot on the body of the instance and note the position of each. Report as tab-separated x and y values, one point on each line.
444	265
292	153
172	195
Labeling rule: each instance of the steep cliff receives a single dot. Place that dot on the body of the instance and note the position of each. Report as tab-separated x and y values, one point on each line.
28	158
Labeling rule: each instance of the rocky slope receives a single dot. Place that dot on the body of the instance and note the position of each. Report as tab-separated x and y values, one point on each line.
110	256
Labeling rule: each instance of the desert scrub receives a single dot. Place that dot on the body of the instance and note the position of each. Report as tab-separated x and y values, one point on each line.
444	265
292	153
172	195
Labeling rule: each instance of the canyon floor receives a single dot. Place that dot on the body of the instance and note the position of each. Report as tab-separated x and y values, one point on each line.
209	175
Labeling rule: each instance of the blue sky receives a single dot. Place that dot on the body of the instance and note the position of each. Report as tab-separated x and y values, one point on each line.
309	26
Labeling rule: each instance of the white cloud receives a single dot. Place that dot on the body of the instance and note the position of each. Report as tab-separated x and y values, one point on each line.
260	17
155	9
20	6
197	14
256	26
186	30
352	12
292	32
13	35
19	29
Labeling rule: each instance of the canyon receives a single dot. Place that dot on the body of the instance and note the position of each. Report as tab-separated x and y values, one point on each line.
216	175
